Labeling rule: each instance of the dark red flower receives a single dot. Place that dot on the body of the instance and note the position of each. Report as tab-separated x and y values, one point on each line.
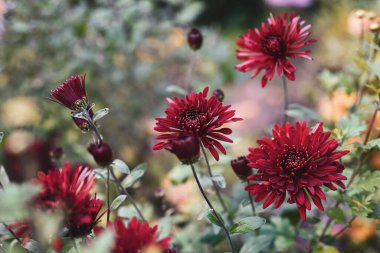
186	148
72	93
70	191
241	168
102	153
199	116
295	164
273	45
137	237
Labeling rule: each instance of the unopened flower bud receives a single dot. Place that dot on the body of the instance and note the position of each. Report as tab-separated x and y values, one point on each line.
102	153
219	94
241	168
82	123
186	148
195	39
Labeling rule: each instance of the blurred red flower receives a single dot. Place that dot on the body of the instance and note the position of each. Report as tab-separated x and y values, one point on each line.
137	237
297	163
70	191
272	46
199	116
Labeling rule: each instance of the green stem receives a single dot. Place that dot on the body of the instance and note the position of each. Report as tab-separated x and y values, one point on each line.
213	209
213	183
108	195
286	98
251	201
123	191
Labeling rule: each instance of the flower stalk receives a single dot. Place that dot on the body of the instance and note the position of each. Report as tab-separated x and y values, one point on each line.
213	209
286	98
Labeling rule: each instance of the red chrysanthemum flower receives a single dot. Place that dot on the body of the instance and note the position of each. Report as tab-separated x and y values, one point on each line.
137	237
199	116
70	191
297	163
72	93
272	46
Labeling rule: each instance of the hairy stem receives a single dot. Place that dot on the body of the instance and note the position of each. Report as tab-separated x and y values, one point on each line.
212	209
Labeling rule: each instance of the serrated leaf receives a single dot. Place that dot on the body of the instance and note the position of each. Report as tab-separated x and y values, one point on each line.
351	126
368	182
117	202
100	114
220	181
247	225
4	179
372	144
214	220
135	175
121	166
337	215
362	205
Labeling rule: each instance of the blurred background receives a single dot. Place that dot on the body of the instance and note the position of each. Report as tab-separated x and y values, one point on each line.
135	54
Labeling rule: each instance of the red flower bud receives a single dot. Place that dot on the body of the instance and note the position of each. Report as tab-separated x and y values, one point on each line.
219	94
195	39
241	168
102	153
186	148
82	123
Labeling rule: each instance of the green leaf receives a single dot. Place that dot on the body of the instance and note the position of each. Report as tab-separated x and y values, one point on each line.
175	89
323	248
100	173
1	136
4	179
313	220
247	225
368	182
375	214
100	114
117	202
135	175
372	144
300	111
121	166
214	220
337	215
362	205
219	180
351	126
257	244
14	199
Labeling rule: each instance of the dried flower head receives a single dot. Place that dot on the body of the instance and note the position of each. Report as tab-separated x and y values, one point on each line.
198	116
295	164
270	48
